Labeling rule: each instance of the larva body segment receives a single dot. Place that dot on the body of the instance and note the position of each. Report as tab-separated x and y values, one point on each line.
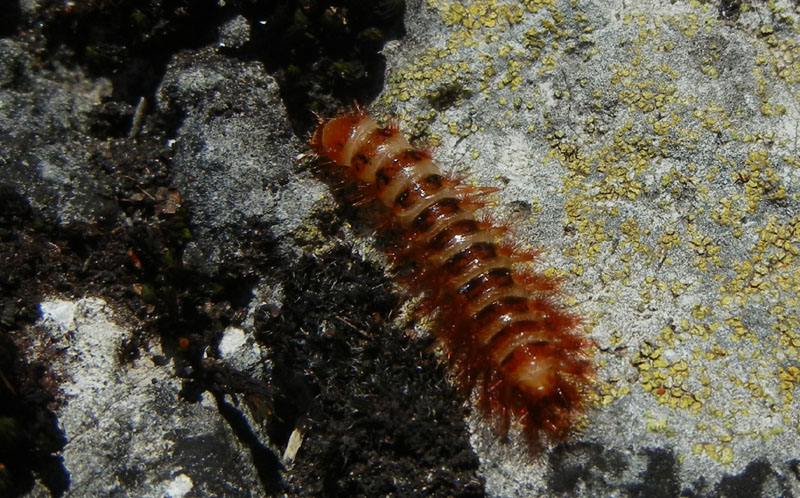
497	319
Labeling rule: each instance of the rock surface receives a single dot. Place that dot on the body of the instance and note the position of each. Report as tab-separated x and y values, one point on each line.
207	321
128	433
651	150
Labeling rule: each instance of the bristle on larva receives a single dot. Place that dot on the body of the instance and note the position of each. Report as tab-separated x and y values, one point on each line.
497	318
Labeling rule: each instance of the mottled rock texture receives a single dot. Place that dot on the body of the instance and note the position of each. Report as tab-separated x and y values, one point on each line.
187	310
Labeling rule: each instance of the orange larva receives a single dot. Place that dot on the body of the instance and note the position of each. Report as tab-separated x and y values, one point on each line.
498	319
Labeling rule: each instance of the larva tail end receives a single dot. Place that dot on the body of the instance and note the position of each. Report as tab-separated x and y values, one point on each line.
546	409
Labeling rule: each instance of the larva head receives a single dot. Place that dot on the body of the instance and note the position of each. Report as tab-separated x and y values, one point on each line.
331	136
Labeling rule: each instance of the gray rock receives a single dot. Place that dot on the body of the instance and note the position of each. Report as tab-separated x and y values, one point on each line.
235	33
128	432
653	149
234	152
44	147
